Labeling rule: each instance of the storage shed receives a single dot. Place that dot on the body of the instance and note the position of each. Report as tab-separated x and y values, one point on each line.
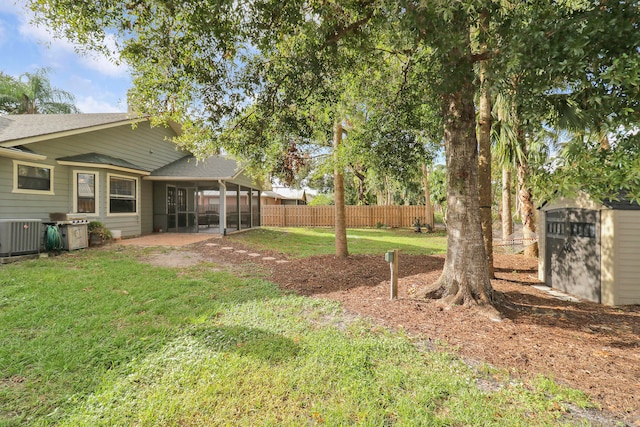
590	249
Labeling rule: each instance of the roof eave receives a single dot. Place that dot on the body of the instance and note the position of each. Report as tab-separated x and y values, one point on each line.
176	127
186	178
20	155
104	166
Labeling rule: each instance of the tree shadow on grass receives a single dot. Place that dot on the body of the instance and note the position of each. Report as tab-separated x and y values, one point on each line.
252	342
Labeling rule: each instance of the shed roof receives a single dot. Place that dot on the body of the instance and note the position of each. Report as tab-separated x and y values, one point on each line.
622	204
583	201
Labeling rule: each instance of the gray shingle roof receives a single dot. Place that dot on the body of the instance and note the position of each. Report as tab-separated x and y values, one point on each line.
623	204
215	167
17	127
101	159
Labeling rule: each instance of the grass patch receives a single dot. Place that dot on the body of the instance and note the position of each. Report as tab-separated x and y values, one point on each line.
306	242
67	320
96	338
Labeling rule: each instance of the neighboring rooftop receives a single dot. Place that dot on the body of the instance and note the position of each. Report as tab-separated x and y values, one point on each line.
286	193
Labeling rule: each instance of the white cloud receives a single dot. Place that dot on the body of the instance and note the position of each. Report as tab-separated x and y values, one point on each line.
99	85
58	51
104	65
89	104
12	6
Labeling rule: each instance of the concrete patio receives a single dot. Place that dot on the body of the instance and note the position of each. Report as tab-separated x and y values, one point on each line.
168	239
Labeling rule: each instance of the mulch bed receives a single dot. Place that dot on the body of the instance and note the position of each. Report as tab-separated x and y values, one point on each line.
584	345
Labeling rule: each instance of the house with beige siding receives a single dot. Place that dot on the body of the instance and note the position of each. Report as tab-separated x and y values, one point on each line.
284	196
590	249
120	170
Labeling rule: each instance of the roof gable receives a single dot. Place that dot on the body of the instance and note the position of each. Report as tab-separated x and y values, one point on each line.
27	128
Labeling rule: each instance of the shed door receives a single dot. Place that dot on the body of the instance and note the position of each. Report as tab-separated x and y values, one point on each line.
573	252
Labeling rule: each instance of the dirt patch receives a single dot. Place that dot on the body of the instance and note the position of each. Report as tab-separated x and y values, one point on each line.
587	346
174	259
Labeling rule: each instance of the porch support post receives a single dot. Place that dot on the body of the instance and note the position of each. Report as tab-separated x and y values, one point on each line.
238	208
223	208
259	208
197	197
238	214
250	207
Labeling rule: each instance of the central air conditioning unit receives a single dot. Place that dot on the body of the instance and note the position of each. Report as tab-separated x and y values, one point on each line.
20	237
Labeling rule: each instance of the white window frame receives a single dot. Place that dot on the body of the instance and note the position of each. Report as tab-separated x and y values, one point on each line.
96	191
17	163
130	178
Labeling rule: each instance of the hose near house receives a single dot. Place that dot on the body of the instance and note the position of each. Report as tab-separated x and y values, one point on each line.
53	239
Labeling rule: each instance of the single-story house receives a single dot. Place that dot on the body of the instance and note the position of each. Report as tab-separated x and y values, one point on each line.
117	169
284	196
590	249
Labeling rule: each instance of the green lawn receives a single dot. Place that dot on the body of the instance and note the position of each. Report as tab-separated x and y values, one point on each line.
305	242
99	338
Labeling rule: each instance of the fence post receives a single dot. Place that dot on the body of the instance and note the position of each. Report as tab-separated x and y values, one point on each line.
284	216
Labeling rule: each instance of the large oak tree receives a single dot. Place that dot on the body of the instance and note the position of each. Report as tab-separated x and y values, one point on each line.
201	62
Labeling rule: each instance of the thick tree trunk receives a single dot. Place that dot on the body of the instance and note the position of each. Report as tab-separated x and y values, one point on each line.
427	198
506	213
527	210
465	277
338	182
484	166
525	195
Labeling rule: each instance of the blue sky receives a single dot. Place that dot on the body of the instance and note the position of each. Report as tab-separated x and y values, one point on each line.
98	85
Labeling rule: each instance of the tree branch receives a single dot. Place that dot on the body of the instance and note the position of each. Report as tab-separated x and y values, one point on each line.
405	72
338	34
483	56
394	52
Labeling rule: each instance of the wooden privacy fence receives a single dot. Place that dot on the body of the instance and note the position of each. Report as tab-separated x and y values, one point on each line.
356	216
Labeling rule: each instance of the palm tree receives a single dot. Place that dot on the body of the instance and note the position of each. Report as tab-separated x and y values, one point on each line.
512	152
32	93
505	155
8	88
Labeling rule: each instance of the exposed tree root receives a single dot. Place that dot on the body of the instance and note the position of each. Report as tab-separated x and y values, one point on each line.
481	303
432	291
